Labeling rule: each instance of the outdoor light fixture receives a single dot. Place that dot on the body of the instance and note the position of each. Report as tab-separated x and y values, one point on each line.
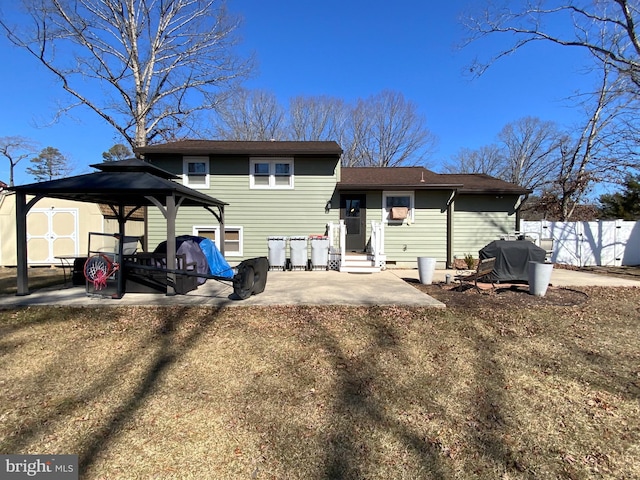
327	207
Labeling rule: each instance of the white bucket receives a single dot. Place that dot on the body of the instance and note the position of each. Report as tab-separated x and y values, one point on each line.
539	278
426	267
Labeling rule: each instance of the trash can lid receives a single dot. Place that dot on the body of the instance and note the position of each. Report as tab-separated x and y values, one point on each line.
276	238
298	238
319	237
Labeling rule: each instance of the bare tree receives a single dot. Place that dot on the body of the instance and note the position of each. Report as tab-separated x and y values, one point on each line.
594	155
531	147
155	64
15	149
488	159
251	115
316	118
606	29
526	154
387	131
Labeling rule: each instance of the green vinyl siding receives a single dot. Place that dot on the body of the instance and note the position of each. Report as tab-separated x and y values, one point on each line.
426	236
480	219
260	212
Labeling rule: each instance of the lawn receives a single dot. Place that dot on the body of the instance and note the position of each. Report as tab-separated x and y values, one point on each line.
328	392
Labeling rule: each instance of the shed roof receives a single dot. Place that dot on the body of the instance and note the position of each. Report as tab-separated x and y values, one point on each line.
223	147
419	178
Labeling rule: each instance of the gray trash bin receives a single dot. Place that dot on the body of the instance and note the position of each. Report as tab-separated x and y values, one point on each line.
319	252
277	252
298	252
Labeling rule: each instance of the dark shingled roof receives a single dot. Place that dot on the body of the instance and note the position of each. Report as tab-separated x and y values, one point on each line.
219	147
417	178
482	183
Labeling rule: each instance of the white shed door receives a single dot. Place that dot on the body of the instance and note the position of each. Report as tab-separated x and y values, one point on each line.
51	232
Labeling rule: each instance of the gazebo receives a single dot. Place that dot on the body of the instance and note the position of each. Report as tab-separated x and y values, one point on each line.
126	186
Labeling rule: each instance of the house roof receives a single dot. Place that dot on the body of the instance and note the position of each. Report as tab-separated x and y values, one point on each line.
375	178
482	183
419	178
220	147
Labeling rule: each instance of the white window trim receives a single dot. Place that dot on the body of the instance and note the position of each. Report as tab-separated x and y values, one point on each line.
216	228
272	165
385	211
185	171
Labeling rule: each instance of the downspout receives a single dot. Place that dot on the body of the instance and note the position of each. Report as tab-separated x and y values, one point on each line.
519	203
450	227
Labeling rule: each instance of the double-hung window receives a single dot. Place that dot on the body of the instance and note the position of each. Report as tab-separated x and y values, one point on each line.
233	238
397	207
271	173
195	172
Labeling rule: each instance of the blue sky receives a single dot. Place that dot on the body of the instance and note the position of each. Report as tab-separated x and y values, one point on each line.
348	49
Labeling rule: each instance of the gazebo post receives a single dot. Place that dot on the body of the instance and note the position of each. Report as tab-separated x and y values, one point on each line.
121	232
171	244
21	239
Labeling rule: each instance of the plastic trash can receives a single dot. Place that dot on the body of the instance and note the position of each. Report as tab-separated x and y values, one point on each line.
277	252
319	252
298	252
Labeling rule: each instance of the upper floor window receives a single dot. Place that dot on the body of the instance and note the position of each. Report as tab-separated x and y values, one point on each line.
195	172
397	207
271	173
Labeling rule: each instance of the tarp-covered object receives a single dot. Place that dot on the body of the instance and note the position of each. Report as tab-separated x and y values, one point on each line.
217	263
192	252
204	253
512	259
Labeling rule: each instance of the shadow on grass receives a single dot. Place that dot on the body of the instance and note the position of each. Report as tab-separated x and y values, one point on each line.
354	401
162	347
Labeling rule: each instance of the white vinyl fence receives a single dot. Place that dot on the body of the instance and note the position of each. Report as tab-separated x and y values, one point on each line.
604	243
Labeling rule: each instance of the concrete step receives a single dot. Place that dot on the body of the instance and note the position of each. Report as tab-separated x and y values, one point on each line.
359	263
359	269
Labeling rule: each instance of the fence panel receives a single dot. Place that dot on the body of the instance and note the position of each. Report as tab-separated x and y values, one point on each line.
606	243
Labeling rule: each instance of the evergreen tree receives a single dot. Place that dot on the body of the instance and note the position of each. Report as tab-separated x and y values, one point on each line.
49	164
117	152
624	205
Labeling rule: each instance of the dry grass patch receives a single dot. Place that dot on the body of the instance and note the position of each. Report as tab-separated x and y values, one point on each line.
39	277
327	392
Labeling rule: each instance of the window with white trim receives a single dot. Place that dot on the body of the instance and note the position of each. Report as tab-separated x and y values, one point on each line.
195	172
233	238
271	173
398	207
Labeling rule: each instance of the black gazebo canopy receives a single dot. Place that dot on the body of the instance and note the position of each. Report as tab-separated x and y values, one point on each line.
125	186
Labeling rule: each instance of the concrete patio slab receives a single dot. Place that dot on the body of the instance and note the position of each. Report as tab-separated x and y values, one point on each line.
389	287
283	288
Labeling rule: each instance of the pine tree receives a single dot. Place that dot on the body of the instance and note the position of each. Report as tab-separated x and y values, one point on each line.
624	205
49	164
117	152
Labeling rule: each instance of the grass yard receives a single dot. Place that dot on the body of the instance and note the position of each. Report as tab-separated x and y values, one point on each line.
328	392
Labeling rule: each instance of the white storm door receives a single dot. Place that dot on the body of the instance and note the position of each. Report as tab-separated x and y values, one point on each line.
51	232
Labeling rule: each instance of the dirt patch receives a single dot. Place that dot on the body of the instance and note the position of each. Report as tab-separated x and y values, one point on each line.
502	297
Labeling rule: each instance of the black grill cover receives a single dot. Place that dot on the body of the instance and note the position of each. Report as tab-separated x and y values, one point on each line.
512	259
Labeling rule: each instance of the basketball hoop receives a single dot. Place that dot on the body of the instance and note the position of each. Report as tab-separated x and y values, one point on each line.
98	269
